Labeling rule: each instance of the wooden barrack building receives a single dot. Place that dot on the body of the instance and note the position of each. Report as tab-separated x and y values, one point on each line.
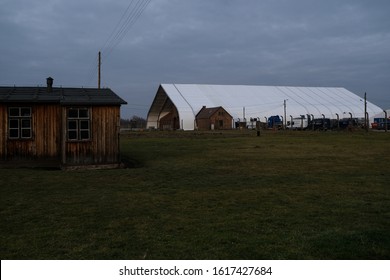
59	127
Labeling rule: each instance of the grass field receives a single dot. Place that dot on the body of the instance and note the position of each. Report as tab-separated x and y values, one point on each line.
188	195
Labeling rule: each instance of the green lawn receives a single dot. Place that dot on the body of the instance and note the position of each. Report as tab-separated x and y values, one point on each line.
189	195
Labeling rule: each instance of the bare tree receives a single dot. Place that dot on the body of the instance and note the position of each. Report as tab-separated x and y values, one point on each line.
134	122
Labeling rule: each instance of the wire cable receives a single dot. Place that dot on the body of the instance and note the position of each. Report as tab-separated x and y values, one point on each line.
131	19
128	19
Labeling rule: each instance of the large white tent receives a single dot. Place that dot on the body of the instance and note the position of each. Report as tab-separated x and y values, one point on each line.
244	102
383	114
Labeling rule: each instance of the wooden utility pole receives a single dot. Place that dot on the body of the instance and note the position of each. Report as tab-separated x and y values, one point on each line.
99	69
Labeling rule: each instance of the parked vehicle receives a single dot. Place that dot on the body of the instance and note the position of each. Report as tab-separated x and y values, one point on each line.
380	123
348	123
275	122
322	124
298	123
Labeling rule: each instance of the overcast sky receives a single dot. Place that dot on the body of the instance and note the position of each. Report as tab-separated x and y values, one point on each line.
335	43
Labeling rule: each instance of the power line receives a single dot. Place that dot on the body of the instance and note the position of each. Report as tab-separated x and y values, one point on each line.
131	18
132	13
117	26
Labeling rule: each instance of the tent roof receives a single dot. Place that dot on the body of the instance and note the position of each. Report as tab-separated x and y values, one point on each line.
382	114
245	101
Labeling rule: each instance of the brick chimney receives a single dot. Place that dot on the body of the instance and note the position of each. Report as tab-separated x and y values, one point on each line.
49	82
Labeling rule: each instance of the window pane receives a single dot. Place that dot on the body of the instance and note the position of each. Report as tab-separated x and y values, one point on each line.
14	112
72	124
72	135
25	112
14	133
84	134
26	123
78	124
83	113
14	123
73	113
26	133
84	124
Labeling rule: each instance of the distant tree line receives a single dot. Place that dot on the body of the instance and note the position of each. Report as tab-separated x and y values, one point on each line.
133	122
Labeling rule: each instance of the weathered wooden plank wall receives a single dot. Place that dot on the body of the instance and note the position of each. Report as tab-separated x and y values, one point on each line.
49	137
47	130
103	148
45	140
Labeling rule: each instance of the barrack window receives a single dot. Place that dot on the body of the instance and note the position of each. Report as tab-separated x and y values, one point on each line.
19	123
79	124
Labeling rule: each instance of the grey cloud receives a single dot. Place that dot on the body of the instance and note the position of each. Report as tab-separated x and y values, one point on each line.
273	42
